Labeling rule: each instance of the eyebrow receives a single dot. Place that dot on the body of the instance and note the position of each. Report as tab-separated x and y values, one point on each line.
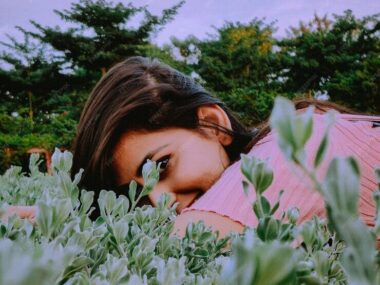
149	155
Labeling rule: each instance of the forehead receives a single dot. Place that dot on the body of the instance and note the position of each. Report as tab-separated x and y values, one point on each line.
141	141
135	142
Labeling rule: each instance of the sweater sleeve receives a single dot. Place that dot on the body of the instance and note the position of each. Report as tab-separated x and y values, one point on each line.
364	135
350	135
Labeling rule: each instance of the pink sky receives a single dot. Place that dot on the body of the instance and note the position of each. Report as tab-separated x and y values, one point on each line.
195	17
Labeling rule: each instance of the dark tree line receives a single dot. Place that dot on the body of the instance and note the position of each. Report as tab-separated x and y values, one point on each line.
46	78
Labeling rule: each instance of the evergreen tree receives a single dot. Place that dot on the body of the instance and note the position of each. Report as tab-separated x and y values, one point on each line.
339	56
49	75
30	79
103	35
239	55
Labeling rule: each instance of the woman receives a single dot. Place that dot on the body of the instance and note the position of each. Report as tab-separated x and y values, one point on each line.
142	109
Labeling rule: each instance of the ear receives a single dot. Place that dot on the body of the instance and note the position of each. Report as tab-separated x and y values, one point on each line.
213	113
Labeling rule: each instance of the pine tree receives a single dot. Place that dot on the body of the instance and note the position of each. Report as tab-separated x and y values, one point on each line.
30	78
239	55
338	56
103	35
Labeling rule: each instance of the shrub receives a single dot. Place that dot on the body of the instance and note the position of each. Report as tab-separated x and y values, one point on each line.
250	104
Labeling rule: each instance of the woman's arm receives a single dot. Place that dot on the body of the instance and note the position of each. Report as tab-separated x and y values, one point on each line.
217	222
24	212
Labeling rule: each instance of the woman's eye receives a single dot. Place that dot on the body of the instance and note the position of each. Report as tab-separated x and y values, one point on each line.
163	163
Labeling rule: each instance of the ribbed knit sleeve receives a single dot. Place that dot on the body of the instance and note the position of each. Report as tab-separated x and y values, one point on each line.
353	135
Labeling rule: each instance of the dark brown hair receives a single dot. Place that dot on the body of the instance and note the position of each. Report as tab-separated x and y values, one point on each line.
145	94
140	94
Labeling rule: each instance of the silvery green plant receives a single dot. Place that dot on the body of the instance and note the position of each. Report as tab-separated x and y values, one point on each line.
256	262
128	244
339	189
339	250
251	263
260	176
376	197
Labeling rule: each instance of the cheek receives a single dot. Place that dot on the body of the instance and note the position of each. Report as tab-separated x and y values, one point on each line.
199	168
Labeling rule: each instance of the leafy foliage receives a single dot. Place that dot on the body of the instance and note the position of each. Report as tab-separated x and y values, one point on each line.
131	245
18	135
102	36
338	56
51	72
239	55
250	104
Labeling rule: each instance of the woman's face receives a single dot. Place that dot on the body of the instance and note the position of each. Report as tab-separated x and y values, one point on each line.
191	162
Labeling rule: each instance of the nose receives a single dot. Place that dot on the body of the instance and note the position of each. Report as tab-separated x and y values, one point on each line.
183	196
154	196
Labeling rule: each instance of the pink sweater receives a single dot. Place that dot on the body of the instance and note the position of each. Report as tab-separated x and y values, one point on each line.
354	135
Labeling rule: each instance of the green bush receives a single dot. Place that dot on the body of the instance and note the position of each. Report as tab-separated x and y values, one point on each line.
251	105
18	135
132	245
